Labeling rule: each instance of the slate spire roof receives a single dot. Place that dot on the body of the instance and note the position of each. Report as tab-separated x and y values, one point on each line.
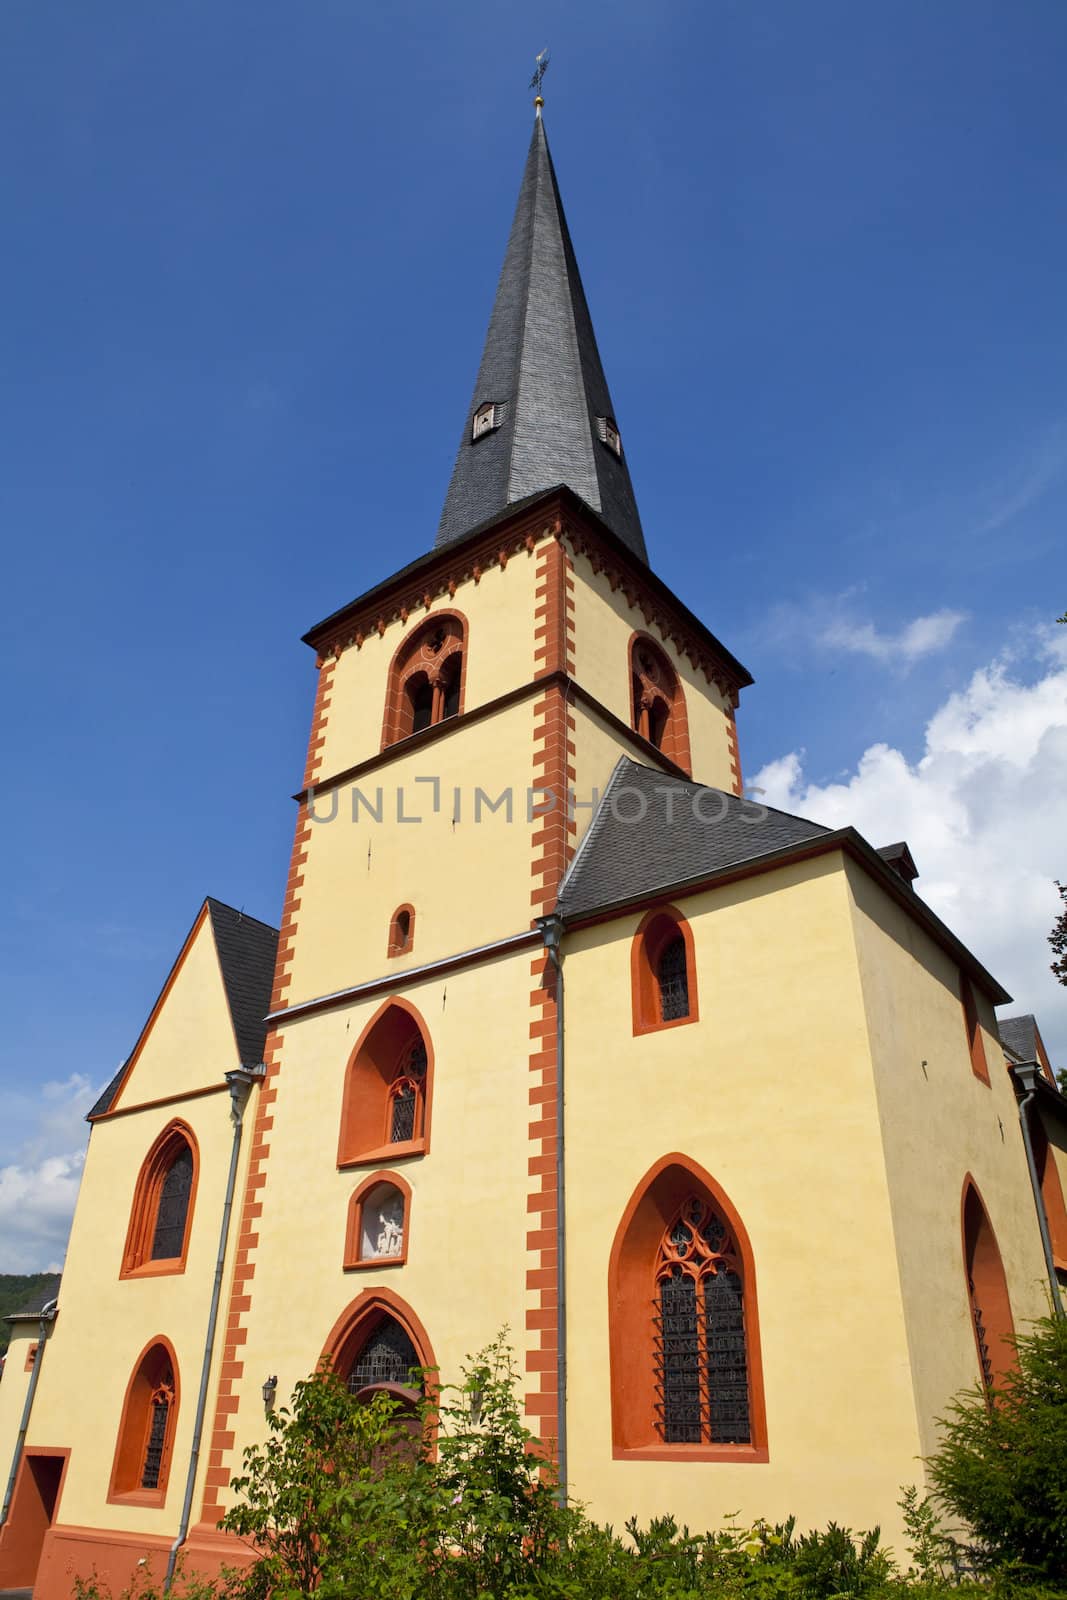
541	372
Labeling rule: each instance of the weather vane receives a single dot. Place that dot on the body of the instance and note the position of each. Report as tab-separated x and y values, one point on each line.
538	78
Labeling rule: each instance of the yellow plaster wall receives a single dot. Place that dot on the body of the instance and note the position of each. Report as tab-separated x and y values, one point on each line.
499	609
603	625
597	748
13	1386
464	1276
438	864
191	1042
772	1092
105	1323
939	1121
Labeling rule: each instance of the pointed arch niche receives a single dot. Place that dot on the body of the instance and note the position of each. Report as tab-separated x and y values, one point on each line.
373	1345
987	1288
663	978
161	1215
385	1110
427	677
686	1375
657	701
379	1222
145	1446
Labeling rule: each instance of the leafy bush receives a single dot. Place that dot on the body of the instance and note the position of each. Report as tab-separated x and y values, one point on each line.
458	1502
1002	1466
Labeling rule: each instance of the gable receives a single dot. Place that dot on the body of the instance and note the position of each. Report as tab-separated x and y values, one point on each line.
188	1042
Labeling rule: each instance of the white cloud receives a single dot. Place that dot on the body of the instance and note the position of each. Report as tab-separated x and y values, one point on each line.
835	622
39	1187
984	812
919	638
36	1207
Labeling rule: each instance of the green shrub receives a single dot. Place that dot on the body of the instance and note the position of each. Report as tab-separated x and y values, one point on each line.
1002	1466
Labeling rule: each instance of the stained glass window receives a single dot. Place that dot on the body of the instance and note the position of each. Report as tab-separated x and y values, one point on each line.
673	980
157	1433
406	1093
173	1210
387	1357
701	1357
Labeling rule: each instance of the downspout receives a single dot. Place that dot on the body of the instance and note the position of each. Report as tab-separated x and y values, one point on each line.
1028	1074
48	1317
552	933
240	1082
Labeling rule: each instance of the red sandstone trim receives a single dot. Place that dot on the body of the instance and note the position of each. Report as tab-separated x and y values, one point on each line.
735	752
227	1400
552	845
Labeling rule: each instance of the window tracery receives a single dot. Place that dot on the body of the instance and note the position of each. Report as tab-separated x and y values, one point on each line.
426	678
701	1360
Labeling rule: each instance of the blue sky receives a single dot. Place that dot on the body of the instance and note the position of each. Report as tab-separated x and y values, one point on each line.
249	253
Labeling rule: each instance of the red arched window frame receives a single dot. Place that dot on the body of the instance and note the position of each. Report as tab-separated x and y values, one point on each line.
427	677
973	1029
145	1445
379	1073
137	1261
656	939
633	1309
354	1257
657	701
1051	1191
987	1288
358	1323
401	931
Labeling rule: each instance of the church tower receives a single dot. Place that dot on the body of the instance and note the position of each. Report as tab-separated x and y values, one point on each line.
469	715
560	1032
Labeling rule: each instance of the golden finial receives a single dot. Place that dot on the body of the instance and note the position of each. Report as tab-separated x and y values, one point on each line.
538	79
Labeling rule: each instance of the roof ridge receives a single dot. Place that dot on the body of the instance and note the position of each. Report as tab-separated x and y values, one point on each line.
239	911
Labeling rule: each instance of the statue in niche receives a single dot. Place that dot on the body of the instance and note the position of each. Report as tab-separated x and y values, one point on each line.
383	1226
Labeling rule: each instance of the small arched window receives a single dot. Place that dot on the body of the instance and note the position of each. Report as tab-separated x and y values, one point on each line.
157	1239
426	678
663	974
379	1215
987	1289
146	1432
386	1106
685	1367
657	701
401	931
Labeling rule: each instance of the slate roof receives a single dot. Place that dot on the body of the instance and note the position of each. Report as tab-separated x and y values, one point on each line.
649	834
541	366
41	1297
1020	1036
655	835
246	949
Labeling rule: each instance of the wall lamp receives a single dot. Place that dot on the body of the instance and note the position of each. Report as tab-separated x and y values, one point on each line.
270	1390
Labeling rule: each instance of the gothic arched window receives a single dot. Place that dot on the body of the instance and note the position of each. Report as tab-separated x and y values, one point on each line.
701	1363
387	1356
662	972
683	1323
407	1093
426	678
657	701
161	1214
386	1104
987	1289
146	1431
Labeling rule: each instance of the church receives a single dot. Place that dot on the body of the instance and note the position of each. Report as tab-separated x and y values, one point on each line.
561	1031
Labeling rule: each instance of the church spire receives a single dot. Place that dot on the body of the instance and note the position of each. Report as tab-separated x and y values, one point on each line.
541	414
